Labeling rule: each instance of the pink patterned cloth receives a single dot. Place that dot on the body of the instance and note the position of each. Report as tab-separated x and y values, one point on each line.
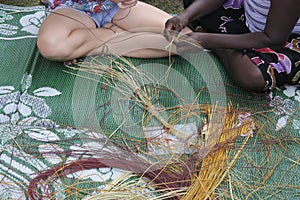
93	6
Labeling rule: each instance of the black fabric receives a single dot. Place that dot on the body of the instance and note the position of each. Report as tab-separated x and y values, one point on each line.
211	23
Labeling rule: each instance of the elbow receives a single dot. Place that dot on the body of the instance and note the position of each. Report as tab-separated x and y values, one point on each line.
276	41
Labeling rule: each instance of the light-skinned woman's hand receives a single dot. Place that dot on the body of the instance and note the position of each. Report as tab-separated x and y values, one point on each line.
123	4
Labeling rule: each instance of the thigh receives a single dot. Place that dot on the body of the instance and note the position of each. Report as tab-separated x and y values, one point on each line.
142	17
62	22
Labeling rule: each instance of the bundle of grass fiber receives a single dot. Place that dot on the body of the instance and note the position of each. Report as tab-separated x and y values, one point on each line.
194	173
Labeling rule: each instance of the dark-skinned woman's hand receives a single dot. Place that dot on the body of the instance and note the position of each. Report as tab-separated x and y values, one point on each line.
174	25
189	43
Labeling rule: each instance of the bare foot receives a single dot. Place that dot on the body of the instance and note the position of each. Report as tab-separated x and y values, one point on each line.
70	62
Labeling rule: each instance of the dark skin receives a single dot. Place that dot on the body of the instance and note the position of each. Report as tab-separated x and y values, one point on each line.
281	20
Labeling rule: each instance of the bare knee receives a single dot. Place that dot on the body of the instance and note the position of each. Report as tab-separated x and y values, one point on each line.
53	48
252	81
247	76
242	70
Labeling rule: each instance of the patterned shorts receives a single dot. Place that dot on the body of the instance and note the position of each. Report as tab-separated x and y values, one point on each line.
100	18
278	66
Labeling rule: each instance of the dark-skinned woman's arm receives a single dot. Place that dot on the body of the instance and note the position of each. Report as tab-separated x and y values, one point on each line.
281	20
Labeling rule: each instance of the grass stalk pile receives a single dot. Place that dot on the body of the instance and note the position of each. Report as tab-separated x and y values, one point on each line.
192	175
183	151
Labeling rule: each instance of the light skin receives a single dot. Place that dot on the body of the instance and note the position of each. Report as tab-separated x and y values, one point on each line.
281	19
136	30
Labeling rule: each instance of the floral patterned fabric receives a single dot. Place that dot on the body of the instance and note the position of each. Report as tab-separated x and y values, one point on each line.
92	6
278	66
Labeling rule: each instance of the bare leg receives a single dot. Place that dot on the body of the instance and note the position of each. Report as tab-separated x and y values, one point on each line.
147	25
67	34
241	69
140	18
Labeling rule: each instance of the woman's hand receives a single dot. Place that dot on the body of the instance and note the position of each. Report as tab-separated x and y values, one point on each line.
189	43
174	25
123	4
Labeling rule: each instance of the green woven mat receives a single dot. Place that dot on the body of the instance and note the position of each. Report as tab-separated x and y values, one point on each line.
50	114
